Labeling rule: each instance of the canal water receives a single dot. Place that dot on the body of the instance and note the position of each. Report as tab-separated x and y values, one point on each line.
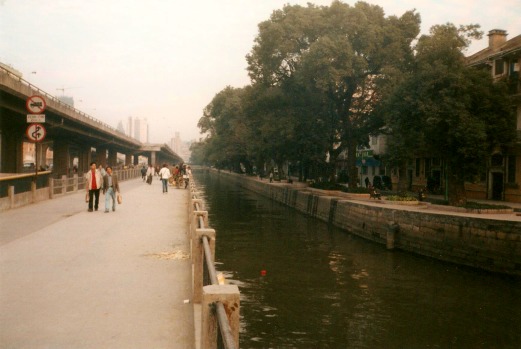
306	284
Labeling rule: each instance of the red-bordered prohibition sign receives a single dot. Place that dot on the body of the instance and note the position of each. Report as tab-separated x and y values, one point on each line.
35	132
35	104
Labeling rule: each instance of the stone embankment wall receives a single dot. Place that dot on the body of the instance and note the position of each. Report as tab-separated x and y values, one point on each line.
489	244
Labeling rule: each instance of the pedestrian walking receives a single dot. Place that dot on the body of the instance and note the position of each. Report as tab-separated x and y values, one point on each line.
93	185
164	175
143	173
150	174
187	176
110	187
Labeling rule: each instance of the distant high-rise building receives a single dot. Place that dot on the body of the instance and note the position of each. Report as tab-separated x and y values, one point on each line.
180	148
120	127
138	128
175	143
67	100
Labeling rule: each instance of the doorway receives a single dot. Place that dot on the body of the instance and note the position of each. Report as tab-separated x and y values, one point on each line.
497	186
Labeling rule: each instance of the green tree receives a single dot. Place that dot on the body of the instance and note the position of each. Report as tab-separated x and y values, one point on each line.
197	154
224	123
448	110
347	53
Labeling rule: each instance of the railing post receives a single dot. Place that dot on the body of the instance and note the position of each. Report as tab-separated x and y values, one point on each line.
198	260
195	222
194	202
229	296
192	207
33	191
10	193
51	188
75	182
64	184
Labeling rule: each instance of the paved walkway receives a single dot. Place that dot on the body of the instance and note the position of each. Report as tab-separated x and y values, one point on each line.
453	211
76	279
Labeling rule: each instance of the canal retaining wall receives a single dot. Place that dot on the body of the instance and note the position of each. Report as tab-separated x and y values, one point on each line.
480	242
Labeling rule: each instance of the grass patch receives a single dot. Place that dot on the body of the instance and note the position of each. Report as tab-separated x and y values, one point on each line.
400	198
339	187
328	186
481	206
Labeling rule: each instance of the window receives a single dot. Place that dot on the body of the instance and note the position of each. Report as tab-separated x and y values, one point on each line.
418	167
511	174
427	167
499	67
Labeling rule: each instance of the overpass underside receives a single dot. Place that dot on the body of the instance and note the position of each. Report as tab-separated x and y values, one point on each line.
72	138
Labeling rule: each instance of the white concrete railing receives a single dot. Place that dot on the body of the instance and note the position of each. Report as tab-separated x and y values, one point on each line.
220	302
55	187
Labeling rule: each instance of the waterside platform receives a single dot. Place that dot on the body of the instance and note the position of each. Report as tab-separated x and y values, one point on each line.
76	279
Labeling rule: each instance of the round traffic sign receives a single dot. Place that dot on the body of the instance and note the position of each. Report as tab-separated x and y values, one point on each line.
35	104
35	132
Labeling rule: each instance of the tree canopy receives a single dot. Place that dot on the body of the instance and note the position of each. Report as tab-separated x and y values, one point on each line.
324	78
447	110
345	54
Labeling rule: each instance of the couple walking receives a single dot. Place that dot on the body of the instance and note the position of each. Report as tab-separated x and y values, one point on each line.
108	183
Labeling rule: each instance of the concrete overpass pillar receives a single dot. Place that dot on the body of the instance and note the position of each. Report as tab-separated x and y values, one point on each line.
128	159
113	158
84	159
60	158
153	159
101	156
135	159
12	144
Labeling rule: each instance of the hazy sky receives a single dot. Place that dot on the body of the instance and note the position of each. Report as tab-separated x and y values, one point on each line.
165	60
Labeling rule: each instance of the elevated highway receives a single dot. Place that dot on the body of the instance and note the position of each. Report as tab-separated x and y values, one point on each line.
72	135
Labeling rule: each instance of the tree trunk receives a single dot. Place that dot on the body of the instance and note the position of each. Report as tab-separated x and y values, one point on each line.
457	194
402	177
352	171
331	166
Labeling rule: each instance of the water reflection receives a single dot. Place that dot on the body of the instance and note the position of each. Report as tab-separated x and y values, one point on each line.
324	288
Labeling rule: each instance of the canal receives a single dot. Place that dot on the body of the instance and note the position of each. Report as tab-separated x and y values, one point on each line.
306	284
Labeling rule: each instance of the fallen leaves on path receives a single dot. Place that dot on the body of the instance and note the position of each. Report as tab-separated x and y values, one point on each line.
172	255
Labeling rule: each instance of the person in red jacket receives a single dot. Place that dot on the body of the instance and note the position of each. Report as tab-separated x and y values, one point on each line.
93	185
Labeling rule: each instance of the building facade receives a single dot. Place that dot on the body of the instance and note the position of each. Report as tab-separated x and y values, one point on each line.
502	179
502	58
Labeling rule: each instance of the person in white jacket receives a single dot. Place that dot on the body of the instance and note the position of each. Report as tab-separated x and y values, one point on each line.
150	173
93	185
164	174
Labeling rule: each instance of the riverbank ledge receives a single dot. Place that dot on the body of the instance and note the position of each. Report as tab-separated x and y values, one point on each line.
488	240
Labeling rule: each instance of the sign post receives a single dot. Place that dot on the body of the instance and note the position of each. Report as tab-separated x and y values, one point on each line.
35	105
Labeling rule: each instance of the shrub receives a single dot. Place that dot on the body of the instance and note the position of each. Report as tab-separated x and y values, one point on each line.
343	177
377	182
327	186
482	206
400	198
386	182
